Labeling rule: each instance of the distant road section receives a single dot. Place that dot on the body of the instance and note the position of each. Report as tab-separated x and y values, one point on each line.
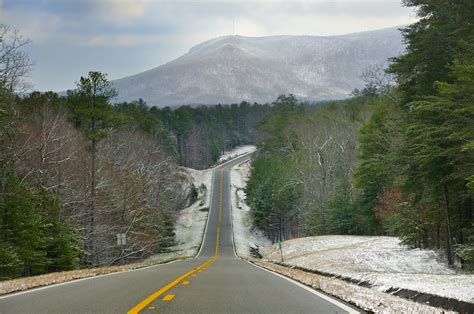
214	282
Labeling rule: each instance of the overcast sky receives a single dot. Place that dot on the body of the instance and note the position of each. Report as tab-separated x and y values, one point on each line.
124	37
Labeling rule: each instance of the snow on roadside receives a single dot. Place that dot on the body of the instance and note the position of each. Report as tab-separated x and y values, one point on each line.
191	222
382	261
364	298
189	231
241	150
244	236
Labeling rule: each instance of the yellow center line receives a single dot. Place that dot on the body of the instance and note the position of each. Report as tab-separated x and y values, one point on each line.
140	306
168	297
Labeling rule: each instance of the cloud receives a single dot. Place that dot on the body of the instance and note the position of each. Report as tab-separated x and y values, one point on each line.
123	11
72	36
3	13
120	40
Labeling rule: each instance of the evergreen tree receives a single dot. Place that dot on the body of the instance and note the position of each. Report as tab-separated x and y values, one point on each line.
34	238
94	115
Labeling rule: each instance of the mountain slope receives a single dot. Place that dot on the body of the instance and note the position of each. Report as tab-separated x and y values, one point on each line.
235	68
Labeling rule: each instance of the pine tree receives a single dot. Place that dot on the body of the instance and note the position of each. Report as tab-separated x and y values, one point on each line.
94	115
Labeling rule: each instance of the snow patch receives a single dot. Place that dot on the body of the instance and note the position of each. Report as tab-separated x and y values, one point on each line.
238	151
191	222
382	261
244	235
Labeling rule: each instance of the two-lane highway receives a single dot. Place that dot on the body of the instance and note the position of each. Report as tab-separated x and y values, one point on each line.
214	282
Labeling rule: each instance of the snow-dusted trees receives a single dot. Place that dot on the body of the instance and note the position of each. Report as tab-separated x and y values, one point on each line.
15	63
301	179
325	158
202	133
94	115
37	147
139	189
46	182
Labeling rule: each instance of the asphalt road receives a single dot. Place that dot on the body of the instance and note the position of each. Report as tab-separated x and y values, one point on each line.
216	281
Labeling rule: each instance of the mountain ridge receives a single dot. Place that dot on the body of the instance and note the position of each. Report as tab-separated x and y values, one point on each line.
231	69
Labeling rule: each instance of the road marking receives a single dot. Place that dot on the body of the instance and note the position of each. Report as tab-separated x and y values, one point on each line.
72	281
168	297
140	306
334	301
185	282
208	215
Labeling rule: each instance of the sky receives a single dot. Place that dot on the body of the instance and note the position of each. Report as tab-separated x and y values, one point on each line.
125	37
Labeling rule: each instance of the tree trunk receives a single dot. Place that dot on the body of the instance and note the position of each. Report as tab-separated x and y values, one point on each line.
178	144
91	214
449	246
438	231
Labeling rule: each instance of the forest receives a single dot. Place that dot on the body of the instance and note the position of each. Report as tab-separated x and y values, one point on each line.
396	159
78	169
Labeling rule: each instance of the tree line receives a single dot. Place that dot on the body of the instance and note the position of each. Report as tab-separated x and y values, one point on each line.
77	170
201	134
74	172
395	160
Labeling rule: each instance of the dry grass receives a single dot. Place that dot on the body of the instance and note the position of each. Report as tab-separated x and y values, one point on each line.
20	284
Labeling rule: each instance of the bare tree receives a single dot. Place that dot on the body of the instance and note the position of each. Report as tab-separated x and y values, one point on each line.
327	151
377	80
48	153
139	187
15	63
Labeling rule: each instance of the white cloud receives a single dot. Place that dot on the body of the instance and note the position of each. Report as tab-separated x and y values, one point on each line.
151	32
123	11
120	40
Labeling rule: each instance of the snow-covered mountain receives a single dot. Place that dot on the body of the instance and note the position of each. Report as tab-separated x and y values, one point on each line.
234	68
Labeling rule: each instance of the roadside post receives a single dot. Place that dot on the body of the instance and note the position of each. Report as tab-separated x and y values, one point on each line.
121	241
280	247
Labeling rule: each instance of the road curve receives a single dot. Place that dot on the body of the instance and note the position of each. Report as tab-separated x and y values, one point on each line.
216	281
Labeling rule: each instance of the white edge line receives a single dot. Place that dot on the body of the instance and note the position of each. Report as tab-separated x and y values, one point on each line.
305	287
309	289
232	213
17	293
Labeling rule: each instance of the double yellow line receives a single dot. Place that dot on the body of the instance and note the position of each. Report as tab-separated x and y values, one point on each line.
140	306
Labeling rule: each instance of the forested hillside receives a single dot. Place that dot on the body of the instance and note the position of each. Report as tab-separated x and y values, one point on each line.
73	175
76	170
201	134
301	179
392	160
232	69
396	159
197	136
